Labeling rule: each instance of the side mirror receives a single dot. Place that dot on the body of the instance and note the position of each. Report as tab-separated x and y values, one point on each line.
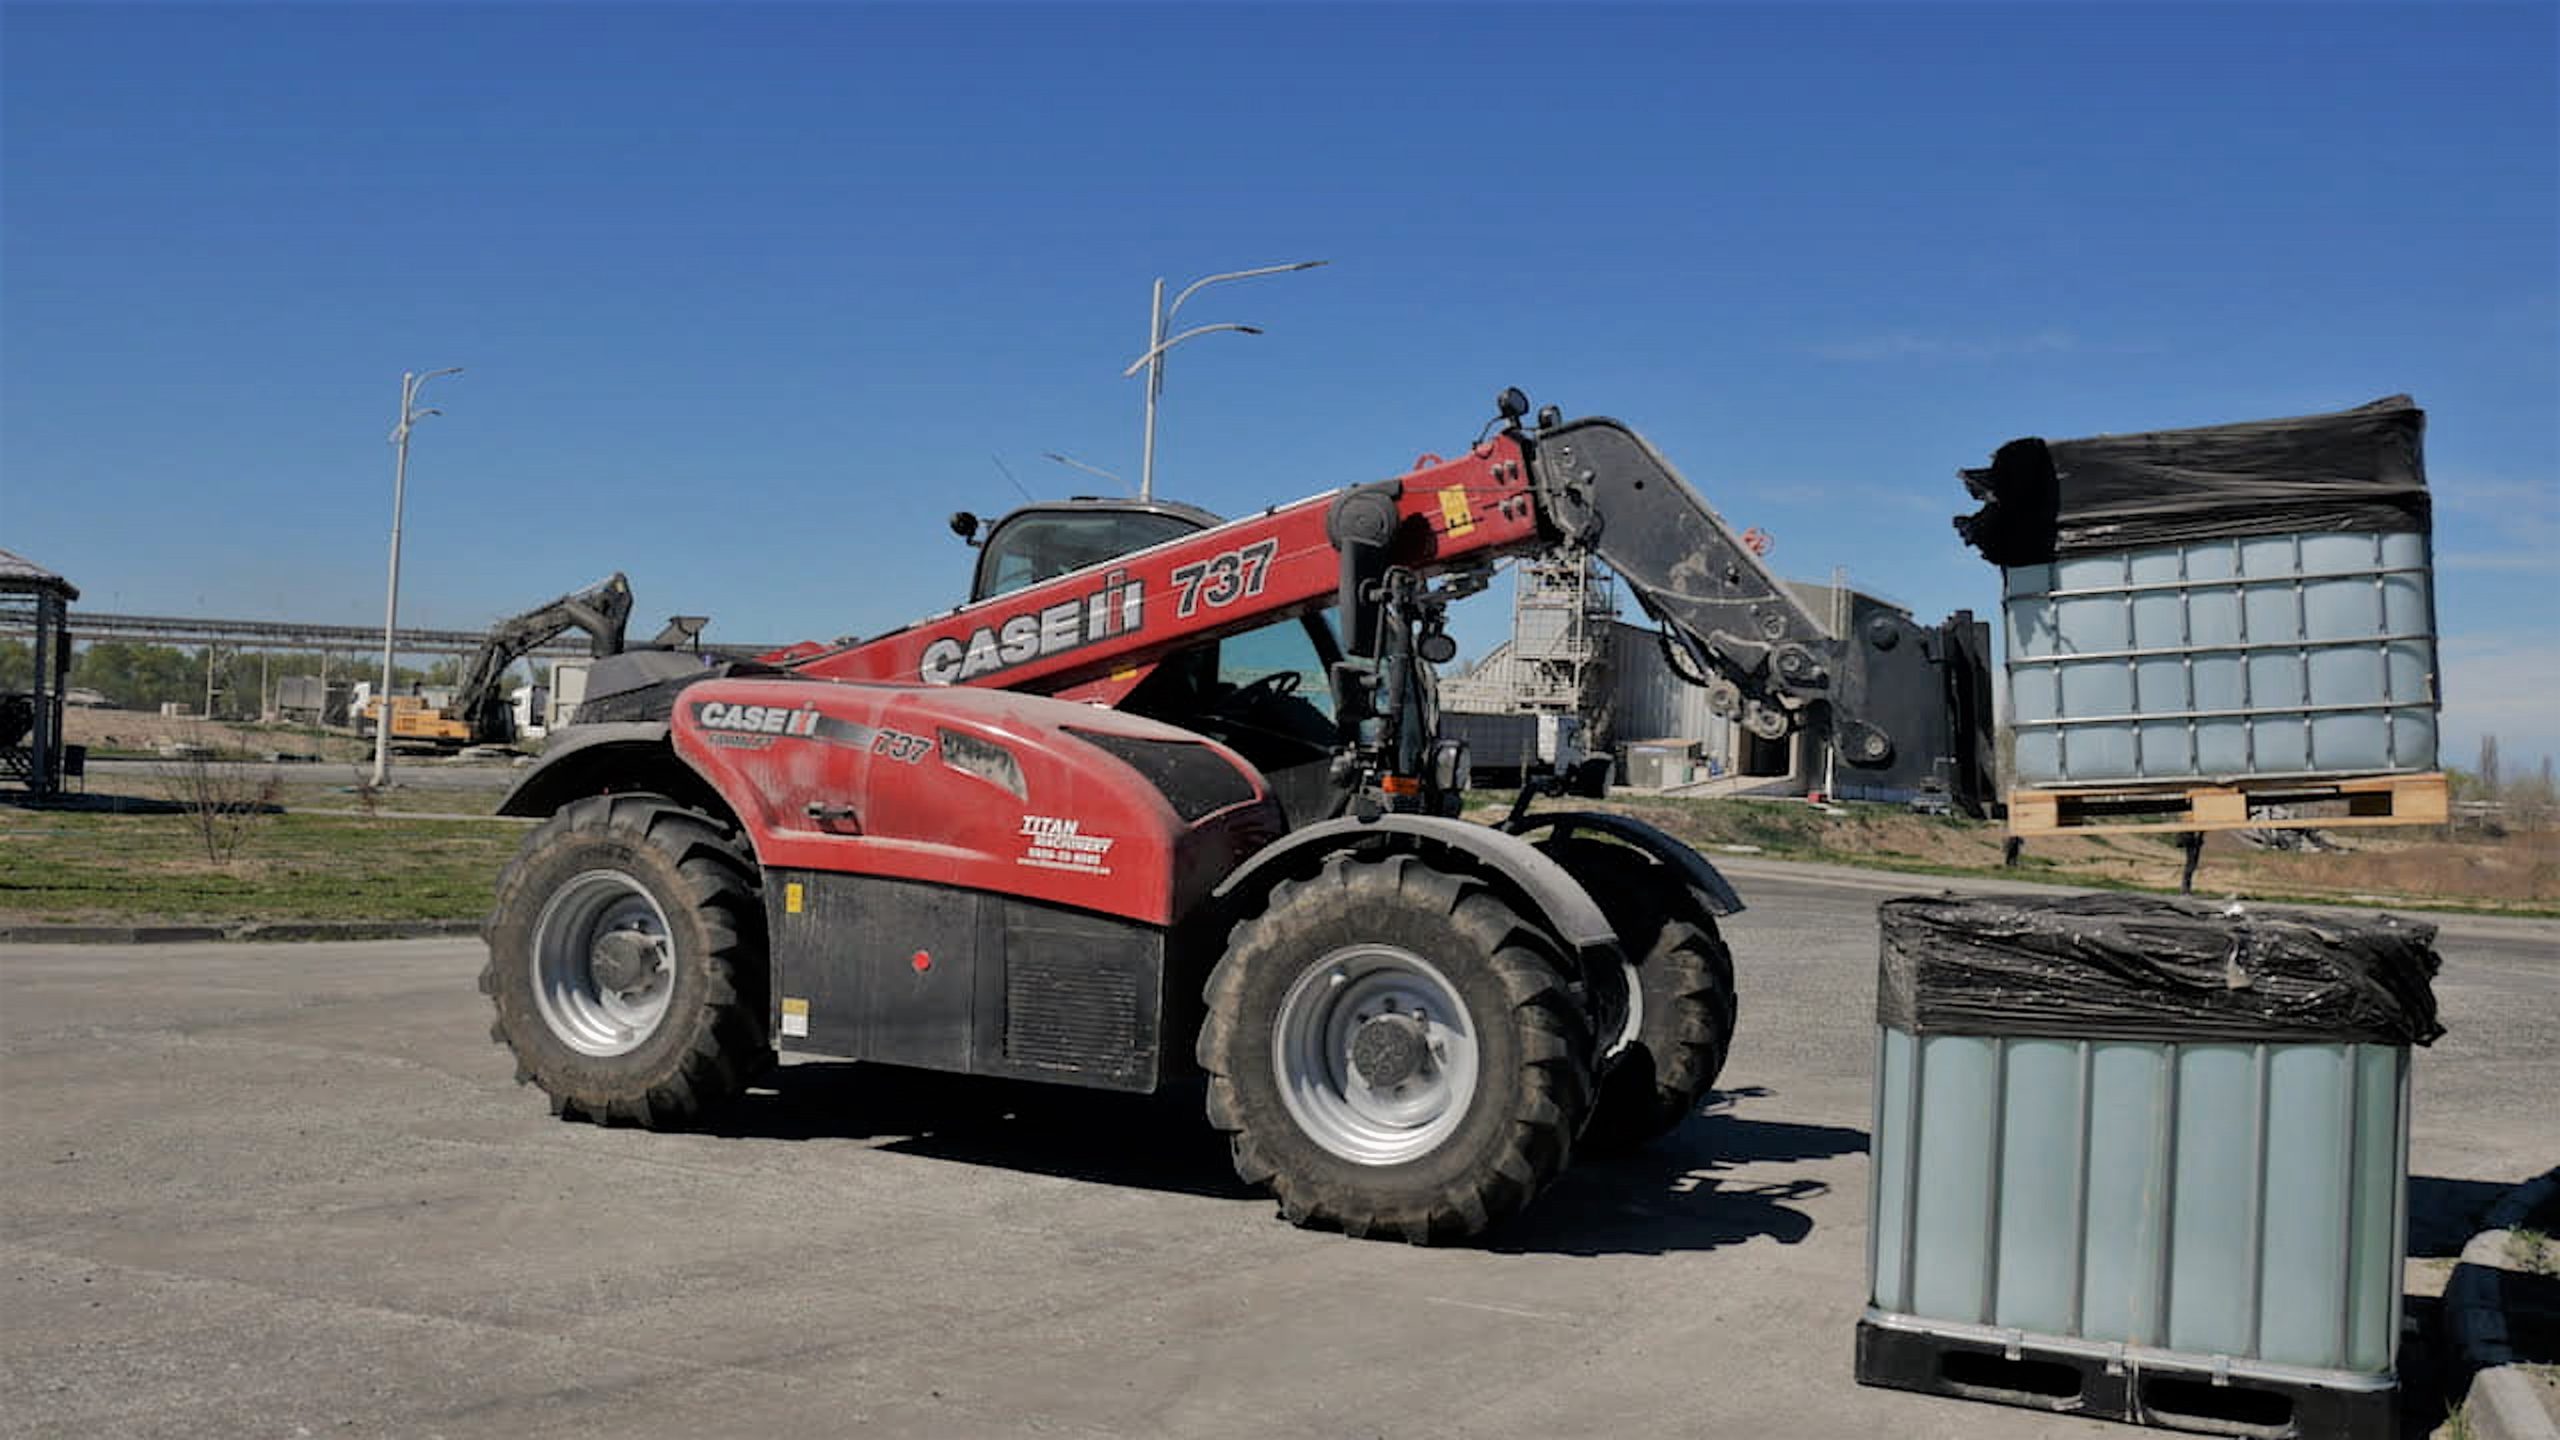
965	525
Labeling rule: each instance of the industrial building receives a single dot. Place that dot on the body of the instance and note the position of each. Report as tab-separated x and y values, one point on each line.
1570	654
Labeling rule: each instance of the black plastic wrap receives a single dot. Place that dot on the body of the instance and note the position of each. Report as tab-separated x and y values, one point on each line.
2131	967
2359	469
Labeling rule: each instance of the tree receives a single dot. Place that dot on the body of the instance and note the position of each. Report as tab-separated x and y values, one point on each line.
2531	799
140	677
2489	765
17	665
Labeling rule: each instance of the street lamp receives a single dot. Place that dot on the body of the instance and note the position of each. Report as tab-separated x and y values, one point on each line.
410	384
1153	361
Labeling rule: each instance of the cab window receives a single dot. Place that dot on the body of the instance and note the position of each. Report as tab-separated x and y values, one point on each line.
1036	547
1284	648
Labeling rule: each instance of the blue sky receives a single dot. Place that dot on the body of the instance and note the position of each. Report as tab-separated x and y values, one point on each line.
751	297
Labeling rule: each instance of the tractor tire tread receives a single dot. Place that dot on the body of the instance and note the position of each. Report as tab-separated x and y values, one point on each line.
1686	970
704	864
1546	1098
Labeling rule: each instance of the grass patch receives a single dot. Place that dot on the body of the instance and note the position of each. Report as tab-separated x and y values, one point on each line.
337	794
2531	1251
58	867
2413	870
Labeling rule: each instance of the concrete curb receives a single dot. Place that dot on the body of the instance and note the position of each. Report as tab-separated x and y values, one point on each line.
269	930
2502	1404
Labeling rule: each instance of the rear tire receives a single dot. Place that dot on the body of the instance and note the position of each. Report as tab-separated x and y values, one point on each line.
1682	1025
627	961
1392	1050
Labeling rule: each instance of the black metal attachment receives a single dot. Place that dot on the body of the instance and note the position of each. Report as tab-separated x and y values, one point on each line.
2069	1382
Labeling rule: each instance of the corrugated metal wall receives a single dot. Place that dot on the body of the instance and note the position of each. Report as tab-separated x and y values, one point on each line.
1649	702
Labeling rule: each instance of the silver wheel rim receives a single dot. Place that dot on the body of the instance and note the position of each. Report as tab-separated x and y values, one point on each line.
603	964
1634	1027
1425	1058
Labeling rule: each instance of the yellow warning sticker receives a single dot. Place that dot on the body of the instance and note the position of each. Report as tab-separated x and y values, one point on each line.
1455	517
795	1016
791	906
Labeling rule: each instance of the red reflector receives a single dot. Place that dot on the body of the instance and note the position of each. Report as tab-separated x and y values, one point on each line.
922	962
1401	785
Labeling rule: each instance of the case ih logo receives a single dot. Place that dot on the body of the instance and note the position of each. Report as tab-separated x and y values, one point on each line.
756	719
1118	608
756	727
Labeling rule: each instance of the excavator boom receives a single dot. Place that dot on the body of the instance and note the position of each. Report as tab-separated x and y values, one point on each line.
600	610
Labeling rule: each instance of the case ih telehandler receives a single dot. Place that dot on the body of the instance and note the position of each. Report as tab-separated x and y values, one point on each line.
1135	806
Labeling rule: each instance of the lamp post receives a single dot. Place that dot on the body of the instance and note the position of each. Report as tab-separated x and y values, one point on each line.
1161	316
410	384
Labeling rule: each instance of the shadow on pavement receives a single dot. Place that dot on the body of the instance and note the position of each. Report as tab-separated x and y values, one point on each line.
1674	1195
2444	1214
1679	1193
1154	1142
82	802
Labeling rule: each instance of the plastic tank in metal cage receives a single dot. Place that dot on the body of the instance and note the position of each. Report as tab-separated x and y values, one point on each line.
2263	655
2234	602
2140	1158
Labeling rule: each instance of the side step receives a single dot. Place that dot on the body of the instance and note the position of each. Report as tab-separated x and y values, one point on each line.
2068	1383
2238	805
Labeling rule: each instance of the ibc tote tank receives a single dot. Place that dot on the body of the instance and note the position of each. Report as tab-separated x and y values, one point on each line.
2139	1158
2253	600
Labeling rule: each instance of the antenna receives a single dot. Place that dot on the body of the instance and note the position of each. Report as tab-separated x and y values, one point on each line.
1073	463
1008	475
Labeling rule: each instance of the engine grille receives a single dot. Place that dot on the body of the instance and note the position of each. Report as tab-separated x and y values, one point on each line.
1078	1013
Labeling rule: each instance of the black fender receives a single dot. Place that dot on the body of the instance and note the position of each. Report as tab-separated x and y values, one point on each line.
1687	863
594	760
1567	908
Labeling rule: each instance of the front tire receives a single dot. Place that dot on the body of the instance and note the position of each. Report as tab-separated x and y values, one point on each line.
1392	1050
626	962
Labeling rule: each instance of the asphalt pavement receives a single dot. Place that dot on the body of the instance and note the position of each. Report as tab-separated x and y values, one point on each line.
291	1189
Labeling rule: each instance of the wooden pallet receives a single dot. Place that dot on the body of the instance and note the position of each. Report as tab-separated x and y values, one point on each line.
2236	805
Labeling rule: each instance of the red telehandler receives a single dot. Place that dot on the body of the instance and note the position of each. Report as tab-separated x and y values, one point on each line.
1143	805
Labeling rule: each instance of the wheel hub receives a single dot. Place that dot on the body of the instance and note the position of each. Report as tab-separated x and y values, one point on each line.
624	960
601	963
1388	1050
1375	1054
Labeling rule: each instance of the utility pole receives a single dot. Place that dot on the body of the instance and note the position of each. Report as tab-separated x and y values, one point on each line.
410	414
